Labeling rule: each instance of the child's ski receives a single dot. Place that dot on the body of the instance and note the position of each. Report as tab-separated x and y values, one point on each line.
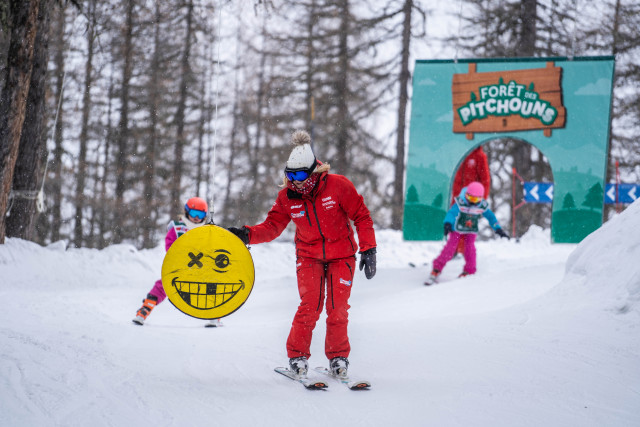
308	383
352	385
415	265
213	323
431	280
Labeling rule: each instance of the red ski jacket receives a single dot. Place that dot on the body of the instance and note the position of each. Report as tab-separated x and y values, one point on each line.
323	229
475	167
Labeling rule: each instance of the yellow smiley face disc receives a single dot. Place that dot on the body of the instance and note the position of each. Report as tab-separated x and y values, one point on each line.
208	273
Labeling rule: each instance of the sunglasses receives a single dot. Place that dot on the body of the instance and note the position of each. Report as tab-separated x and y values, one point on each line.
195	213
474	199
299	175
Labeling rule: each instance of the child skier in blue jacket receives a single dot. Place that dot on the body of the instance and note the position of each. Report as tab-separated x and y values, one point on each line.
461	219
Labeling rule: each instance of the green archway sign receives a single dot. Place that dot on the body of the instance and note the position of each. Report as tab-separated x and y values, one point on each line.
559	105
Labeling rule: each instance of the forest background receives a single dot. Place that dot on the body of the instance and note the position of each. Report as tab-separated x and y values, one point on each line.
114	111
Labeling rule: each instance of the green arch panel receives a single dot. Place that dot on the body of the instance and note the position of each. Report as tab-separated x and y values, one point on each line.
576	149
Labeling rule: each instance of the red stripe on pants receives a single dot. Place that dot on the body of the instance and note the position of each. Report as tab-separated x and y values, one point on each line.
315	279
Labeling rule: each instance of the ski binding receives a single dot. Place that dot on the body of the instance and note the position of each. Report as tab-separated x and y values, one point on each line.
352	385
308	383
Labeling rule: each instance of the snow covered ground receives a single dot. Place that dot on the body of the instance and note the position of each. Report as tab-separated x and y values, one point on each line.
543	335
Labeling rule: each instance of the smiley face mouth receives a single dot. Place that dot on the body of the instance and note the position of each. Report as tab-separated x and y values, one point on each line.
205	295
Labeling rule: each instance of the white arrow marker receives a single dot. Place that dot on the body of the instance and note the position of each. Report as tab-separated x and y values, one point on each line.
632	192
611	194
549	192
534	192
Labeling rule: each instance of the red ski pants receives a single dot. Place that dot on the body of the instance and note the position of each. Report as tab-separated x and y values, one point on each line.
315	279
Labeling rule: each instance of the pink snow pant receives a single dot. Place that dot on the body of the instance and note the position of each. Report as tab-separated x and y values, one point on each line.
158	291
450	249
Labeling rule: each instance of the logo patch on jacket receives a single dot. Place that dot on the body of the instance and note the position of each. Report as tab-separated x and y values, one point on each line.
297	214
328	203
345	282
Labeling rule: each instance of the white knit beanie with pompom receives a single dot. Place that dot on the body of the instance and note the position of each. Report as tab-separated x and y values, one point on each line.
302	155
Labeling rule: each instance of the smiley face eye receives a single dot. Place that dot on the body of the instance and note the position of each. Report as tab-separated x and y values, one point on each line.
222	261
195	260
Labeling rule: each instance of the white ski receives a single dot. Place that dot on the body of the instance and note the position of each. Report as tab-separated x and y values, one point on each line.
213	323
431	280
308	383
352	385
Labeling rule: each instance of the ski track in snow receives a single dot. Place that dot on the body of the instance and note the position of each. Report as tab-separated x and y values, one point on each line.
542	335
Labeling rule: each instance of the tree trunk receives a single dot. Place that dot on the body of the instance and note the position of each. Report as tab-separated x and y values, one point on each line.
14	95
28	173
310	57
106	170
201	133
122	132
236	119
611	163
150	154
176	186
528	35
342	137
58	151
254	193
84	132
523	152
5	39
405	75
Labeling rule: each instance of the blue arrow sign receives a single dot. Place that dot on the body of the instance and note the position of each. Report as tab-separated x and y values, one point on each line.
538	192
627	193
542	192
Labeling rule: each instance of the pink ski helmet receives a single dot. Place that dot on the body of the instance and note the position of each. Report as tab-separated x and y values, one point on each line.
475	192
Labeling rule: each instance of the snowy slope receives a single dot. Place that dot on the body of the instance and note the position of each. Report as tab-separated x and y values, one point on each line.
543	335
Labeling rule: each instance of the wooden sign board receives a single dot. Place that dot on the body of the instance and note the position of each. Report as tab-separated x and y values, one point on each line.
504	101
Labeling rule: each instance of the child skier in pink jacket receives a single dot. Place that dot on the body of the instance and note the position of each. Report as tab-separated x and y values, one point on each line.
195	213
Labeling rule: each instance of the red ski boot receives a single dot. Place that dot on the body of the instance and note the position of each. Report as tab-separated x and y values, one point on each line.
147	305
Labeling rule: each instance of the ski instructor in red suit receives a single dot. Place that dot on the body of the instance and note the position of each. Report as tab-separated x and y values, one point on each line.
475	167
322	206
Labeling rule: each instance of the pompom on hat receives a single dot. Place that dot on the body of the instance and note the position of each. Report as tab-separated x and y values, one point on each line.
301	156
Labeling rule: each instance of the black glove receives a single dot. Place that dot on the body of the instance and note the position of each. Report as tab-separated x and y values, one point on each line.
447	228
242	233
368	262
501	233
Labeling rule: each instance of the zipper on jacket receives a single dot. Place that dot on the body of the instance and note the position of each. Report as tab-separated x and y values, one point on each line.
308	216
351	241
349	267
324	254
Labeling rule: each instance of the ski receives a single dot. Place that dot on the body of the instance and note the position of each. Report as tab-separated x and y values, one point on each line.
213	323
415	265
308	383
431	281
352	385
